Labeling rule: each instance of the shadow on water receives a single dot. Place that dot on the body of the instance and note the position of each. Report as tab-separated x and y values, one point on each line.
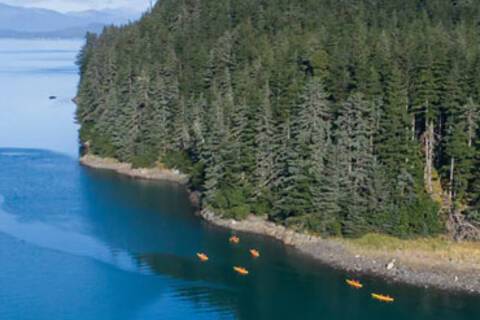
149	229
283	282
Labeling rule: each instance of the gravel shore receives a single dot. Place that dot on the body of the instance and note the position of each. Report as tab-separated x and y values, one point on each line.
407	266
393	266
126	169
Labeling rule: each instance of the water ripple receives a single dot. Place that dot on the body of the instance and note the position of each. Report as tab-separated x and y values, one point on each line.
67	241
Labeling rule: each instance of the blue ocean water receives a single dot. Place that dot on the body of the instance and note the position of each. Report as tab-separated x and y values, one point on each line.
30	72
81	244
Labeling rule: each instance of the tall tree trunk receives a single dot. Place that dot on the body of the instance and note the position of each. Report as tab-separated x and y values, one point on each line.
413	128
452	170
407	129
429	149
470	127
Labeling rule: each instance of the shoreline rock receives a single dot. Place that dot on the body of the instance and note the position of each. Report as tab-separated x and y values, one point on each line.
391	266
335	254
126	169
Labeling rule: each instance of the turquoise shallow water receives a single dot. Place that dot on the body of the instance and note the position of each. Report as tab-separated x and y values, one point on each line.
83	244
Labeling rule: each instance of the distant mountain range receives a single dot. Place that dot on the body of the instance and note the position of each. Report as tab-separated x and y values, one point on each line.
20	22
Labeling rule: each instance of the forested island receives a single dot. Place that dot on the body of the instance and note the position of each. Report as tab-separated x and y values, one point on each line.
338	117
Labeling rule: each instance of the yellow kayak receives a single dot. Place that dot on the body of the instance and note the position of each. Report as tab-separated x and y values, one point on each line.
234	239
254	253
381	297
202	256
241	271
354	284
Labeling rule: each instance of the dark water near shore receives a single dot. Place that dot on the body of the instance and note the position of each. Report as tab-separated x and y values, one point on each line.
83	244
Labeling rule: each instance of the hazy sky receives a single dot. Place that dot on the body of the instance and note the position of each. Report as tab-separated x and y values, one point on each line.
77	5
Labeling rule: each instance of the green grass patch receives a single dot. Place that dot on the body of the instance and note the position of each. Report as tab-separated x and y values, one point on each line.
384	242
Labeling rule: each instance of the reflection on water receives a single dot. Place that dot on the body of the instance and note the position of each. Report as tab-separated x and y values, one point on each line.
63	242
51	237
109	243
79	244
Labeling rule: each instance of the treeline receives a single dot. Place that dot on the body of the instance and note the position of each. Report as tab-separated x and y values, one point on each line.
338	116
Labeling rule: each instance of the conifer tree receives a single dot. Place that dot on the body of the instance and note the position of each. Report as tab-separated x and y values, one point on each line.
323	115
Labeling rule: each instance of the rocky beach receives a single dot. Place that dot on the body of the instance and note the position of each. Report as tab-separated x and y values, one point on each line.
453	266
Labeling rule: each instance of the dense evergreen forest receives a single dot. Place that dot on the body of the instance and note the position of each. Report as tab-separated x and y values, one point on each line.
341	117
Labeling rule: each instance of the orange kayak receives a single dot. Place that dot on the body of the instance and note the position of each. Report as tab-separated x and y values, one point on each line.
254	253
234	239
354	284
381	297
202	256
241	271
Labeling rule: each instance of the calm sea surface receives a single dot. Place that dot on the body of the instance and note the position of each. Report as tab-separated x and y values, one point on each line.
82	244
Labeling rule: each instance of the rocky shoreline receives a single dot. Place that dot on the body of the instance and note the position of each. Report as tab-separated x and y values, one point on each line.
391	266
126	169
398	266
